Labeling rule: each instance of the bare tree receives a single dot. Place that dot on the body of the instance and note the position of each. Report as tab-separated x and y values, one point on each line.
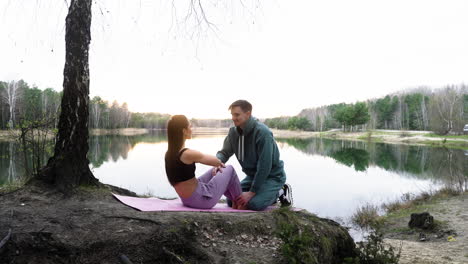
446	106
69	167
10	96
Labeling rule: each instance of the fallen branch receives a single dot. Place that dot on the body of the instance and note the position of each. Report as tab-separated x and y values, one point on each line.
5	240
133	218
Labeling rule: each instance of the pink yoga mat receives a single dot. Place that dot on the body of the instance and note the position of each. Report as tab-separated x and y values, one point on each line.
156	204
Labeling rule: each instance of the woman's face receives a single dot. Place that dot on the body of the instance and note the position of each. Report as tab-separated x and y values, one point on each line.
188	131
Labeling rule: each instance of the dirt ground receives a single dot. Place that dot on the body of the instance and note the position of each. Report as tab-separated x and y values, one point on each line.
452	214
93	227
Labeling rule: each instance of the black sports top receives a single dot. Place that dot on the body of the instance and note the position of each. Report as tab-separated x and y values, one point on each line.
177	171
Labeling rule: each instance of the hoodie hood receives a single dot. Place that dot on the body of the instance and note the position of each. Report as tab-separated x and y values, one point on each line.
249	127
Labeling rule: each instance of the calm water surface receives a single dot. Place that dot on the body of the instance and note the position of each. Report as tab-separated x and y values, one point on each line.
329	177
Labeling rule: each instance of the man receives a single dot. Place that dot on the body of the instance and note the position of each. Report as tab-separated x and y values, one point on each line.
255	148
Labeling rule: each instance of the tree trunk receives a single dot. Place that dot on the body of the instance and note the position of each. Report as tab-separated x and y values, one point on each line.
69	167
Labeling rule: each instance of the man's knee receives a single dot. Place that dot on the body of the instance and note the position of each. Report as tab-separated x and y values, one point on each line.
257	206
260	204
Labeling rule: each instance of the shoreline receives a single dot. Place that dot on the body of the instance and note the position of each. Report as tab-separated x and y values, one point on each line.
118	131
423	138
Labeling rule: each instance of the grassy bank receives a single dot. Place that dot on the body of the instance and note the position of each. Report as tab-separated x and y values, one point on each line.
368	215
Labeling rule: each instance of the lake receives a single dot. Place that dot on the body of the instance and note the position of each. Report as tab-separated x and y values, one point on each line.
329	177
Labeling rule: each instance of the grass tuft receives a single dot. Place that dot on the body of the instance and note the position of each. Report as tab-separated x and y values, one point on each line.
366	216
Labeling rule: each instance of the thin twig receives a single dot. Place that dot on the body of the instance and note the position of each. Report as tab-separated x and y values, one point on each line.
179	259
133	218
5	239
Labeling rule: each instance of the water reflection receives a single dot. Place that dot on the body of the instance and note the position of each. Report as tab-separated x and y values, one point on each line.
449	166
12	167
115	147
351	157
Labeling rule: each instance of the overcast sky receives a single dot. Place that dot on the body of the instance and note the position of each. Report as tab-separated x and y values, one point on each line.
282	55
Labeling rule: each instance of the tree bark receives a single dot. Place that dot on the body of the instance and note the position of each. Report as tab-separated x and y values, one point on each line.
69	167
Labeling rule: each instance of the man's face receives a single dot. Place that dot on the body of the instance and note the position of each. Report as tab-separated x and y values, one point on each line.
239	117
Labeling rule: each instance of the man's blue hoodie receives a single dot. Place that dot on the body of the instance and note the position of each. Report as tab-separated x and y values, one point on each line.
256	151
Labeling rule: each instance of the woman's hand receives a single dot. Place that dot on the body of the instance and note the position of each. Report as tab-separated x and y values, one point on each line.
218	169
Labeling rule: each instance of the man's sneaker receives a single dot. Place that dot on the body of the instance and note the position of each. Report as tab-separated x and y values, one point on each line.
286	197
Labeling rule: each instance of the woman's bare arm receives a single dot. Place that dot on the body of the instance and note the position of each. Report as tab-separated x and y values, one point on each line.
190	156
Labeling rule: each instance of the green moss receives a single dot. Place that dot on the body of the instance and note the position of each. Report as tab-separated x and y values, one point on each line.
12	186
399	230
327	245
310	239
296	238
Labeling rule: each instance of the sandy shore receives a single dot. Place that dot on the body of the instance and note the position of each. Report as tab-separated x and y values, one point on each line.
438	248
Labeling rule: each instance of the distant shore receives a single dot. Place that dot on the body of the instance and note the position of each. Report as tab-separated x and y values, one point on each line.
384	136
119	131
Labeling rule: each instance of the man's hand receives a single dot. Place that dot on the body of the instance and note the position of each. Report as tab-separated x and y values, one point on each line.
218	169
244	199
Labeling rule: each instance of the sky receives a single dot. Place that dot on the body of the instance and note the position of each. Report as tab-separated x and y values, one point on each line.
282	56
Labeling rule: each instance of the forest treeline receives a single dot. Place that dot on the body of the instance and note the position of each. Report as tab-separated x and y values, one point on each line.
443	111
21	103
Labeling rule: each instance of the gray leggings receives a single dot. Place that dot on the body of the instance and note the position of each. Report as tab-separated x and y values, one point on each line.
211	188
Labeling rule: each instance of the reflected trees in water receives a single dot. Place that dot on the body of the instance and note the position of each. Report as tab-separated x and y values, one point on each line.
114	147
448	166
101	149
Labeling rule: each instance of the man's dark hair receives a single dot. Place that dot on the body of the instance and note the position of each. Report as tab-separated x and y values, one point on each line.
243	104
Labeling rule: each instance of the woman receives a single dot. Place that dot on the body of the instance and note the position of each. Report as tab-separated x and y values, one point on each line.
205	191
